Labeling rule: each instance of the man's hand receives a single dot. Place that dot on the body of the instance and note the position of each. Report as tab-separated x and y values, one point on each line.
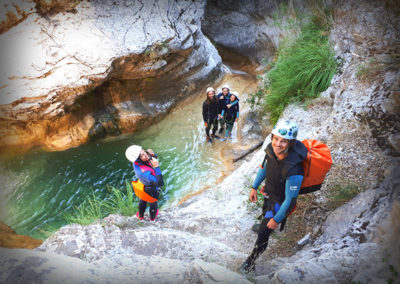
228	106
151	152
219	116
205	124
272	224
253	195
154	163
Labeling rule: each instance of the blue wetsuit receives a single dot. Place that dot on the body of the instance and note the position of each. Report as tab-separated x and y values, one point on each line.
283	180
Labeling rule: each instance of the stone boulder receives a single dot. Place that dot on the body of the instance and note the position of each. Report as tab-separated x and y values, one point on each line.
100	68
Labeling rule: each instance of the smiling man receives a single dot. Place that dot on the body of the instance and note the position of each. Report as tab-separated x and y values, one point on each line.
283	173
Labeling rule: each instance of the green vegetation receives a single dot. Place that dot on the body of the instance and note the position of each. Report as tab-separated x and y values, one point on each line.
93	208
392	269
303	67
342	192
121	203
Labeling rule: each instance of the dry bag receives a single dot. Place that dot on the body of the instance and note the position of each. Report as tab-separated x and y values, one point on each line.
138	187
316	165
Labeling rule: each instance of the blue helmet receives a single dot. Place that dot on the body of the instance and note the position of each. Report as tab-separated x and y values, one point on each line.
286	129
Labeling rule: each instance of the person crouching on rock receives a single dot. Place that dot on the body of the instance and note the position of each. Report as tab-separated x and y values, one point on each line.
147	170
283	173
231	114
210	114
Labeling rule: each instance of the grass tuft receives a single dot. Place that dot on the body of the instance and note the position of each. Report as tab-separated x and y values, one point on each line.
303	69
88	212
94	208
121	203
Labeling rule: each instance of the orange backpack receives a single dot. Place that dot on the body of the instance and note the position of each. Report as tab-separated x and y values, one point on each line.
316	165
138	187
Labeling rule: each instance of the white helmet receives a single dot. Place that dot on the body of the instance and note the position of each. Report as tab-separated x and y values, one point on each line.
133	152
210	89
235	93
285	129
225	86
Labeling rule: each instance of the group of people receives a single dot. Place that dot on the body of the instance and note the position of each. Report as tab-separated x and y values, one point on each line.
281	169
222	108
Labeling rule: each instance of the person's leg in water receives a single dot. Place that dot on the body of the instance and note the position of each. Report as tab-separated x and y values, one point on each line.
221	125
142	208
214	128
208	131
229	125
228	130
259	247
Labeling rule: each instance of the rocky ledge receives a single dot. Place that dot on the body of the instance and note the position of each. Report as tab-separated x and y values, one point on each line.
95	68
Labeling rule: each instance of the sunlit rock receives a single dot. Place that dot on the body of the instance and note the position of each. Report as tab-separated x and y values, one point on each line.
76	60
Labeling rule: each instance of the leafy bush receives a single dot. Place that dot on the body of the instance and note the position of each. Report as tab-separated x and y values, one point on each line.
303	69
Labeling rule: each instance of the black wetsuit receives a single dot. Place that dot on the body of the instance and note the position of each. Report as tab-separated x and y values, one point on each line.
282	183
210	116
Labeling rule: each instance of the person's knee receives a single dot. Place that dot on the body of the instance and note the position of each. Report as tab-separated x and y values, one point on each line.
264	231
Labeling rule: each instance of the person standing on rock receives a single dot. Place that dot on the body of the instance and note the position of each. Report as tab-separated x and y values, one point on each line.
223	104
210	114
147	170
231	114
283	173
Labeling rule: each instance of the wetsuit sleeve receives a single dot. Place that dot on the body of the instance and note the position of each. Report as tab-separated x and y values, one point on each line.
292	188
235	102
204	112
261	174
159	177
147	178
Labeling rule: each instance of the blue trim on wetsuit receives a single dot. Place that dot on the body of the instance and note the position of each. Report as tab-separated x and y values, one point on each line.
261	174
292	188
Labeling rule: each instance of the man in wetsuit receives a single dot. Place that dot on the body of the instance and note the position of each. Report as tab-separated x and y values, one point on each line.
283	173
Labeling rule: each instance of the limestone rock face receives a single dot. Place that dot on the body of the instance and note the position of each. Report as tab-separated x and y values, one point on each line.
371	49
23	266
246	27
100	68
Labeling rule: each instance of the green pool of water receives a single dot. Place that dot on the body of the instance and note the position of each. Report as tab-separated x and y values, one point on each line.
38	188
